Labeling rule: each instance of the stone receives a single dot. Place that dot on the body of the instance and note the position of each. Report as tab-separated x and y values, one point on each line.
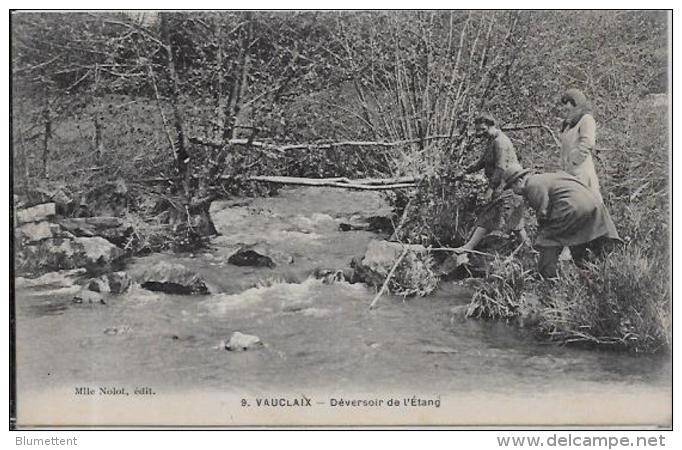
377	224
112	229
37	231
249	257
241	342
86	296
173	279
331	276
36	213
95	254
114	283
64	278
119	282
98	285
378	260
381	255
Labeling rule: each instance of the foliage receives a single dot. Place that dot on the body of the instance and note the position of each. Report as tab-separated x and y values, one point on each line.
502	293
414	276
621	301
174	102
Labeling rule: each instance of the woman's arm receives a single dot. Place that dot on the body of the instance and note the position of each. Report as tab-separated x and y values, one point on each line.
587	132
537	194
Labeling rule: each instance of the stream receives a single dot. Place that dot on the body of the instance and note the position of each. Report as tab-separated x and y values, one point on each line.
315	334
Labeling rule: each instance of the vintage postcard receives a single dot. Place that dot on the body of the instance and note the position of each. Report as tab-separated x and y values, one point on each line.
425	218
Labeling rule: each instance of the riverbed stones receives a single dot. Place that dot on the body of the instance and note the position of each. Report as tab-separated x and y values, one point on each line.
36	213
86	296
241	342
378	260
119	282
114	283
98	285
250	257
95	254
173	279
32	232
378	224
113	229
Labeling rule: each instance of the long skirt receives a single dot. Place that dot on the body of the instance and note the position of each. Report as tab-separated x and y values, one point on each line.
505	213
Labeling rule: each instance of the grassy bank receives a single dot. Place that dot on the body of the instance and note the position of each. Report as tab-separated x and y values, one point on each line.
623	300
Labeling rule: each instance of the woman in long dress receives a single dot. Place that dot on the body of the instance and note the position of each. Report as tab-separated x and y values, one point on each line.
568	215
578	137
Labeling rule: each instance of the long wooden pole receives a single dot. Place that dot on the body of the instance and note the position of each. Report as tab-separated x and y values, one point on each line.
388	278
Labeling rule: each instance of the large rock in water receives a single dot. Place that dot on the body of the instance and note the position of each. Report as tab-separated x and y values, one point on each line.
379	224
240	342
250	257
173	279
378	260
112	229
95	254
115	283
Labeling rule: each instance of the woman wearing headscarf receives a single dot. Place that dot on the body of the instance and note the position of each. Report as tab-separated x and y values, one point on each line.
578	136
568	215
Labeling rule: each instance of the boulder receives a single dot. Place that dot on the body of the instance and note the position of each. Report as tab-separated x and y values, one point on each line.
250	257
64	278
98	285
95	254
86	296
112	229
378	260
173	279
240	342
114	283
37	231
381	255
119	282
331	276
378	224
36	213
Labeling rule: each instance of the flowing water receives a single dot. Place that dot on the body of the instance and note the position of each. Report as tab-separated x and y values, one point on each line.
316	335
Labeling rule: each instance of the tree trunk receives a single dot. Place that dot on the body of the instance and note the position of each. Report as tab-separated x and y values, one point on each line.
24	160
98	135
204	225
182	148
47	132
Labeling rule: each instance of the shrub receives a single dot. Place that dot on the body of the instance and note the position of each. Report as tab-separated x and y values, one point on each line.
501	295
622	300
414	276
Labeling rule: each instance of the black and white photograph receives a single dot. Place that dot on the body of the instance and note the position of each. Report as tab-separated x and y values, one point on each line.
340	218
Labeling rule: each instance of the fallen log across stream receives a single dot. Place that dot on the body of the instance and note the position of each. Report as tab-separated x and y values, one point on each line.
370	184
